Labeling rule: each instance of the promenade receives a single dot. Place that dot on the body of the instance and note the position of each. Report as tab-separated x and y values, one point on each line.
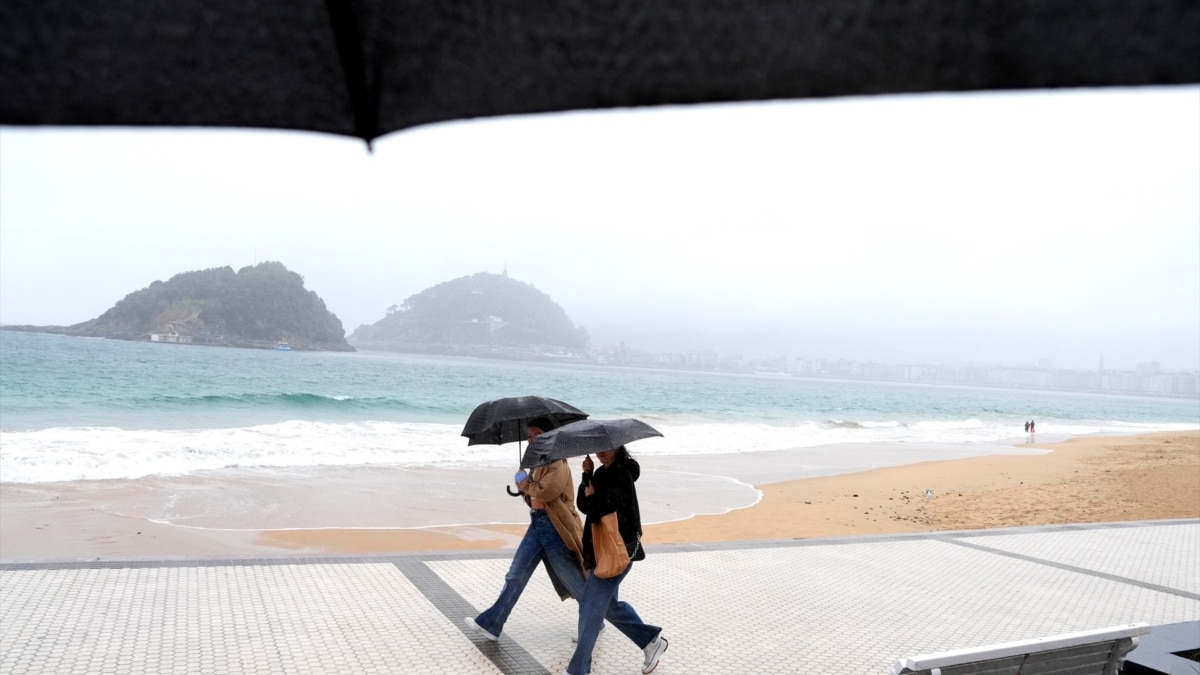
833	606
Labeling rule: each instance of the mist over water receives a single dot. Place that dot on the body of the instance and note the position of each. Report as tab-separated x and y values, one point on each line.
80	409
970	248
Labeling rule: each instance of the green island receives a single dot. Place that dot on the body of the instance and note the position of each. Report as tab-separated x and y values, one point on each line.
260	306
266	306
481	314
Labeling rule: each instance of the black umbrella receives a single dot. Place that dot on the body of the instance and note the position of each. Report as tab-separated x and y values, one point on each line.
505	420
584	438
364	68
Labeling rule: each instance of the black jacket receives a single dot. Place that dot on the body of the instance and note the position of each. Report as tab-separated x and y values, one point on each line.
614	492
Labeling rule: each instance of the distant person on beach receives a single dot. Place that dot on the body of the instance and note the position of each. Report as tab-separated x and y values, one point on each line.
1026	426
610	489
1031	423
554	537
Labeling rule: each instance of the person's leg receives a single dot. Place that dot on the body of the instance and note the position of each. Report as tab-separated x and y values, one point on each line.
649	638
524	563
563	561
560	558
597	596
625	618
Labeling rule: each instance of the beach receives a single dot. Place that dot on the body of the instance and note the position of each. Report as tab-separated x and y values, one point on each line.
1082	480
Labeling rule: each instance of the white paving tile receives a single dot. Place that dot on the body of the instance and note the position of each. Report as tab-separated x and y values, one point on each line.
839	607
232	619
1166	555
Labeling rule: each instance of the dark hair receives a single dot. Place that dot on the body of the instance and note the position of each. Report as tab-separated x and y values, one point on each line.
543	423
624	456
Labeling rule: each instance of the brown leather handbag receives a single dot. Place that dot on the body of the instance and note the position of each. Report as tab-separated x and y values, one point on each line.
611	555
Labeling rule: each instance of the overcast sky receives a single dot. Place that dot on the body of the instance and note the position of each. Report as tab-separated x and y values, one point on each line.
1005	228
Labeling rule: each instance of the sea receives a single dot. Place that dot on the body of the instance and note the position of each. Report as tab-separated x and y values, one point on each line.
85	409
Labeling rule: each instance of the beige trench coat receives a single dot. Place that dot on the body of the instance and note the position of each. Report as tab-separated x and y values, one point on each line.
554	486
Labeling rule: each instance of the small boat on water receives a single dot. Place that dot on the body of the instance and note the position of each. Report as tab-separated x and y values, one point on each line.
283	346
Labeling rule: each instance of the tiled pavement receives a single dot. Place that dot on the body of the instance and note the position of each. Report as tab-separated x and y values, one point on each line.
836	606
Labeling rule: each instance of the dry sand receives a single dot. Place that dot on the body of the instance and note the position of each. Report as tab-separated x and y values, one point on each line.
1092	479
1083	480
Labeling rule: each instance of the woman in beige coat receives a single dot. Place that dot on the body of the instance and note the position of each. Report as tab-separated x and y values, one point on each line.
554	536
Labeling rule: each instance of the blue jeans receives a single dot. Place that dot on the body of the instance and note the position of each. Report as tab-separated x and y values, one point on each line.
541	542
599	602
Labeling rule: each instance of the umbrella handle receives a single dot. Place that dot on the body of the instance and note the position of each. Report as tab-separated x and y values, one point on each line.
508	488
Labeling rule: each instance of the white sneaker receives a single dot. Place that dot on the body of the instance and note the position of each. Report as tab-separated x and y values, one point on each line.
475	627
654	652
575	635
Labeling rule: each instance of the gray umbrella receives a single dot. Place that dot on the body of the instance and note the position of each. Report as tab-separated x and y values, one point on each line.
583	438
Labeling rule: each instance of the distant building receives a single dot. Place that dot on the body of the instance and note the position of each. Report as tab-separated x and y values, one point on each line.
171	336
174	338
1149	368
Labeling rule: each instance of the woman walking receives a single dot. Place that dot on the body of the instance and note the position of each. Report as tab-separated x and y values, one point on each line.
553	537
610	489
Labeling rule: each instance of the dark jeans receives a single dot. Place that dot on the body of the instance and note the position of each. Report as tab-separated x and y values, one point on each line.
598	603
541	542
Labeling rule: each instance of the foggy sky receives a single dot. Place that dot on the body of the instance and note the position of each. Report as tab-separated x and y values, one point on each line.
1005	228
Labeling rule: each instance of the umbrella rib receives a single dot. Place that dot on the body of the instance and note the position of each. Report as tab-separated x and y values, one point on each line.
344	22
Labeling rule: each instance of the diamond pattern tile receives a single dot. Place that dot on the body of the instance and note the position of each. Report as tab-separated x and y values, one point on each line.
846	606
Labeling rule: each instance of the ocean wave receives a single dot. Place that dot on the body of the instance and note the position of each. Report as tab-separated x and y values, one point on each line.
235	406
972	423
92	453
304	401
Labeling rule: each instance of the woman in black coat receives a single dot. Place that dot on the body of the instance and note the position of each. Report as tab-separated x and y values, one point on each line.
610	489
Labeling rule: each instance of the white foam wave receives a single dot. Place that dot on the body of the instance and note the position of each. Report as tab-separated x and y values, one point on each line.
949	424
65	454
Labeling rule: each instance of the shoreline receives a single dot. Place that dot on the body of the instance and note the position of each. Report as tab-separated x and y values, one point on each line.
1152	476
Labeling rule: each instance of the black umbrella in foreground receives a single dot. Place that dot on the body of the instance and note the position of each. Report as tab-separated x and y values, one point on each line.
584	438
364	68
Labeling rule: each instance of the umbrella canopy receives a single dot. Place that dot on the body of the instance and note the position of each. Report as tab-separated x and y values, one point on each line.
364	68
584	438
504	419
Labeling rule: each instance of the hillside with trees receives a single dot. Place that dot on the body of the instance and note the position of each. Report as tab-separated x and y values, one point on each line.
256	306
483	314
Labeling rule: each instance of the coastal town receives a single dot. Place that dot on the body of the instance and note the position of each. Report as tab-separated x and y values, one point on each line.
1146	379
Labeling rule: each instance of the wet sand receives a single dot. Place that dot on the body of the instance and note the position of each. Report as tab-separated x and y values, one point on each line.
249	514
